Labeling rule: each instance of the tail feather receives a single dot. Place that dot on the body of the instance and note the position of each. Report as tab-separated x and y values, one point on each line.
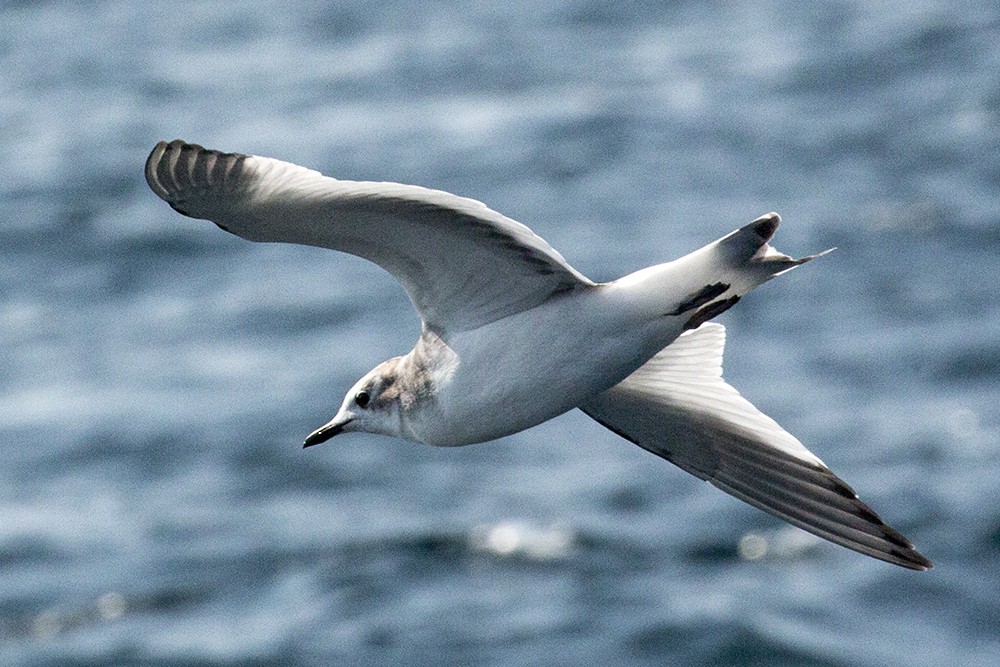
710	280
749	247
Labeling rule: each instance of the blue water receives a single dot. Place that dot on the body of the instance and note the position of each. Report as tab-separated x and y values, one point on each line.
157	376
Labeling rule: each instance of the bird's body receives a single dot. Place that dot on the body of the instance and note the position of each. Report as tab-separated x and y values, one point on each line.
569	341
513	335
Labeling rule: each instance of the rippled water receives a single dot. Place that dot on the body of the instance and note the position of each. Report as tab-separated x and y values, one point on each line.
157	376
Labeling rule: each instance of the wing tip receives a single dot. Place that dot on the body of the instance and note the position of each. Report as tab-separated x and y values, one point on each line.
879	541
904	553
161	166
151	164
913	560
177	170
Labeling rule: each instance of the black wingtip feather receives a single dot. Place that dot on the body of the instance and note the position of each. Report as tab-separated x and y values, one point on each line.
175	169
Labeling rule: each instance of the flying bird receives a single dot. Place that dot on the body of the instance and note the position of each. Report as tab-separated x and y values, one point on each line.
512	335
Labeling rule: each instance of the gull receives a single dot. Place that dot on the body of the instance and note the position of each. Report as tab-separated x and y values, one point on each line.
512	335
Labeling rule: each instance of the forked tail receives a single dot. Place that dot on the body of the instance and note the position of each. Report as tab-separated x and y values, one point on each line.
709	281
748	248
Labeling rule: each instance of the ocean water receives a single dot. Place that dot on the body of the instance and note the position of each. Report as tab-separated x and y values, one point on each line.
157	376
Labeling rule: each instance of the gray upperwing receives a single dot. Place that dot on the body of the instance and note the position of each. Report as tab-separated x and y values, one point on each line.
462	264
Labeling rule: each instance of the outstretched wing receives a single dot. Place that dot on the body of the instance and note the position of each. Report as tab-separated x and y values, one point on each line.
462	264
678	406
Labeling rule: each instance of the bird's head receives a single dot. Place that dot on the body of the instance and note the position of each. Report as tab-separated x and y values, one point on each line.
372	405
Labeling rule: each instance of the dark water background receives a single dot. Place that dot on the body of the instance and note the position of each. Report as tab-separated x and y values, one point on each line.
157	376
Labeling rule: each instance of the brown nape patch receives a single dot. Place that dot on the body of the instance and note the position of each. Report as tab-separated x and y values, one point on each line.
390	389
710	311
700	298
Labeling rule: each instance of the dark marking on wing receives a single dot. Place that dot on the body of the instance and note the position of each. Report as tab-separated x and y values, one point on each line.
700	298
484	233
199	182
803	493
713	309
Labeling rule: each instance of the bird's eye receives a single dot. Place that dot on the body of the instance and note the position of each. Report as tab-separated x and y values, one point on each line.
362	399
